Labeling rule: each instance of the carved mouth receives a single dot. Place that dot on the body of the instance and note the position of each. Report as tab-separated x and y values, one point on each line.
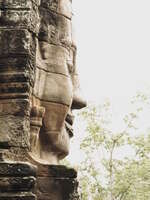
68	124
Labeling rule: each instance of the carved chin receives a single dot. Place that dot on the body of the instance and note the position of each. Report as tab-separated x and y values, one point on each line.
58	142
52	147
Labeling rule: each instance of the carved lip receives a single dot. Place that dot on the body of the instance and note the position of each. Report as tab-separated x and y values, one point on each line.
70	119
68	124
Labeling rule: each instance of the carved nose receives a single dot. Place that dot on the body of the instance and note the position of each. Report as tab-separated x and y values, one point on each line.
78	101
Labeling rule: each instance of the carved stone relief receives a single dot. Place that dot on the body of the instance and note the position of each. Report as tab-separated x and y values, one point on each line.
39	88
56	82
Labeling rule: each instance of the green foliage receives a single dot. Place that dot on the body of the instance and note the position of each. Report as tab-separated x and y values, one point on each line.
103	175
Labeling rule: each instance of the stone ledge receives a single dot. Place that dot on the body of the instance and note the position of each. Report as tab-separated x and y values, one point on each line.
17	169
16	63
54	188
16	42
17	196
15	154
17	184
56	171
16	4
15	130
18	107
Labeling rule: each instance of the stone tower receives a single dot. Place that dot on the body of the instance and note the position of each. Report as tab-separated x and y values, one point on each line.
39	88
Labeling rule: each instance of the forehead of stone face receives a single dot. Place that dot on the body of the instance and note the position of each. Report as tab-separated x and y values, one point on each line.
55	29
62	7
53	58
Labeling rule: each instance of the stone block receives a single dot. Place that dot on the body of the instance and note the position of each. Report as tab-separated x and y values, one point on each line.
22	196
14	42
51	5
56	182
56	188
17	169
55	28
13	88
15	154
17	184
17	70
19	14
48	189
17	181
15	4
19	63
56	171
19	107
11	18
63	7
10	77
16	130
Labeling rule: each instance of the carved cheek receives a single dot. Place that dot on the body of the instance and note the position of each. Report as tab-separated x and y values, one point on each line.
58	88
57	98
55	114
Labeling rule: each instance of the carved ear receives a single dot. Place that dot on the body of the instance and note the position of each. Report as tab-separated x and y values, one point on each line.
37	114
37	111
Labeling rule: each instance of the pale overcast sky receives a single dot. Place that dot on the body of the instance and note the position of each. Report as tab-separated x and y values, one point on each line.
113	40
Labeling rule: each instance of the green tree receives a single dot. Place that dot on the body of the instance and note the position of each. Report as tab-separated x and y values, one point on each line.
103	175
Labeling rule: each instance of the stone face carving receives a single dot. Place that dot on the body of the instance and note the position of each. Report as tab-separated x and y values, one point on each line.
56	84
39	88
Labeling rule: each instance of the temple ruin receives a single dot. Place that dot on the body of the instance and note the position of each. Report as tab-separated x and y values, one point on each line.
39	88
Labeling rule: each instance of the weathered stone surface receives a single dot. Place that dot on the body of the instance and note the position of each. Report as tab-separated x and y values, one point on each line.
63	7
14	77
14	88
15	4
17	181
56	188
54	59
14	42
16	129
17	14
19	63
22	196
49	189
17	184
18	70
15	107
15	169
14	18
15	154
36	2
61	87
55	29
38	84
56	171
